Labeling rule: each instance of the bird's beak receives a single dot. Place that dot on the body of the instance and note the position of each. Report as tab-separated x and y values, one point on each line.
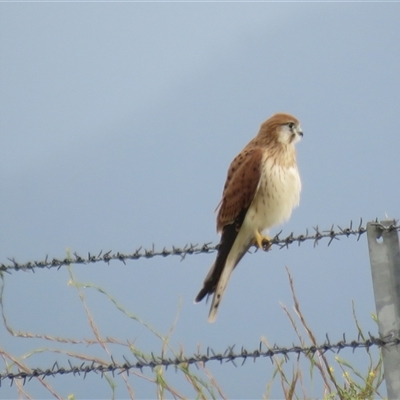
300	132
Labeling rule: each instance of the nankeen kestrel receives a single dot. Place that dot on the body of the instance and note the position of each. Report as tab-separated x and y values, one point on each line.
262	188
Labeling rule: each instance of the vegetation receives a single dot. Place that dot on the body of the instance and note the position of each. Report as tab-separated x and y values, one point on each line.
340	380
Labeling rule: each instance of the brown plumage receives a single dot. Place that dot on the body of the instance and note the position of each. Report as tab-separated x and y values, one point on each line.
261	189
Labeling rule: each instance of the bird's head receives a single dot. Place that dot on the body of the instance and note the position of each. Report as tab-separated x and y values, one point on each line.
281	128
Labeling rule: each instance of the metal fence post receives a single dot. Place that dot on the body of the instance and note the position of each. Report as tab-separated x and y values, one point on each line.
384	256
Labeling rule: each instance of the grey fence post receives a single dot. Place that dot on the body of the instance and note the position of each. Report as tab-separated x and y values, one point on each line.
384	254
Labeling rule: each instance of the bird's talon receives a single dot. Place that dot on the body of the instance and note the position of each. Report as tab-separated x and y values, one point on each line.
262	242
266	243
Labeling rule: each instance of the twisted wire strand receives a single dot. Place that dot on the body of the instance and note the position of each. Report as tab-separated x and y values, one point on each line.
193	249
229	355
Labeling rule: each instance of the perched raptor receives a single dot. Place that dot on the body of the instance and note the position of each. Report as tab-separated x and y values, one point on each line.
262	188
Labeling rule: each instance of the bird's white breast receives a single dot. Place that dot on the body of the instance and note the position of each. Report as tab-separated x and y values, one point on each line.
278	193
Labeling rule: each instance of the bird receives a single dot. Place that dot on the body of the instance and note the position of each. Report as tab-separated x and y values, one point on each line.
262	187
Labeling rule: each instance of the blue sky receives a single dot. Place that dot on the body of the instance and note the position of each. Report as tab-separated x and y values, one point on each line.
118	122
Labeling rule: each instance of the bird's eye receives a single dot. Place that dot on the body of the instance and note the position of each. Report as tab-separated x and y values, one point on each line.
290	125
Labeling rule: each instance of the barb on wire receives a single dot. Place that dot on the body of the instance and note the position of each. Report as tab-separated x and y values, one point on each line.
229	355
189	249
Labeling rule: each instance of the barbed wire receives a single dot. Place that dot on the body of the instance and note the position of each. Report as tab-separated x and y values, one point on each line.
190	249
229	355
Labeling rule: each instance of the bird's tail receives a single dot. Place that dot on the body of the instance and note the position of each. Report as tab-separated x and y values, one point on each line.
226	244
230	265
220	290
220	272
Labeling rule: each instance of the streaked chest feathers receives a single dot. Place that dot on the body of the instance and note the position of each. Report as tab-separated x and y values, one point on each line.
277	194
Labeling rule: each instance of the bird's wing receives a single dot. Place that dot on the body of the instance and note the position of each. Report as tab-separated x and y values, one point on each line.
240	188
